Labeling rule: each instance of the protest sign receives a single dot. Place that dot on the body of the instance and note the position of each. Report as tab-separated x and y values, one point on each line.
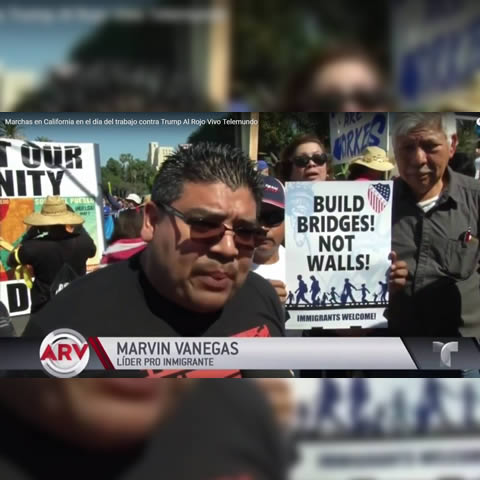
16	297
352	133
338	239
29	172
393	429
435	49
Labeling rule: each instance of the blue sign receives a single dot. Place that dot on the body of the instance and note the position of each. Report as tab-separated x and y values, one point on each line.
351	133
436	50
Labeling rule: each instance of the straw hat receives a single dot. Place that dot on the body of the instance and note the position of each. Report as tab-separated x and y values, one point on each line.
463	100
54	212
374	158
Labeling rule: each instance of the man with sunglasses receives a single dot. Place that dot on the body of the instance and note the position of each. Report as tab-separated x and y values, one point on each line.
269	258
193	278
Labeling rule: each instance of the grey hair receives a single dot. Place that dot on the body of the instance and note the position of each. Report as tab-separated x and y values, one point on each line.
404	123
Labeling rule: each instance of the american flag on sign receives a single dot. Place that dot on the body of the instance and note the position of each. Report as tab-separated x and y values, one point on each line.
378	196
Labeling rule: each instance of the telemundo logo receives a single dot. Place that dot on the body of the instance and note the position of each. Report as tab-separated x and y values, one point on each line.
445	350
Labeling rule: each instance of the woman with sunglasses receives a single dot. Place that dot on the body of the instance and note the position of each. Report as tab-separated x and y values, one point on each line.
304	159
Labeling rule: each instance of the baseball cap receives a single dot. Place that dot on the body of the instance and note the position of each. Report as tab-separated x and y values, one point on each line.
133	197
262	165
273	192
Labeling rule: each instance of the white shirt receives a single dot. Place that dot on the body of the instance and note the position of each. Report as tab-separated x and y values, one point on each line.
477	168
274	271
427	205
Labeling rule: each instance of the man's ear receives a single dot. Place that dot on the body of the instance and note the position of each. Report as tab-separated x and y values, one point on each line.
453	145
151	216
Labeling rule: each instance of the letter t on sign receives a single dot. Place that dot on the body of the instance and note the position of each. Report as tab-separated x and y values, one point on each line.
3	153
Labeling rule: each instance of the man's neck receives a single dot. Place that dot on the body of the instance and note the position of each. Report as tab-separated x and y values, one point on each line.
151	273
429	195
267	259
435	191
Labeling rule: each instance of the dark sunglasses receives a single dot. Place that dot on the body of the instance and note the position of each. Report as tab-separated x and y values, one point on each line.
271	218
334	101
205	230
303	160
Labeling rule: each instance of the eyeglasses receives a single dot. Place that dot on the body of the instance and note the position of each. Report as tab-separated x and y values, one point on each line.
272	218
209	231
303	160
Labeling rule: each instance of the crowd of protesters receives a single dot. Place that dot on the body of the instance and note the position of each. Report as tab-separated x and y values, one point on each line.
214	216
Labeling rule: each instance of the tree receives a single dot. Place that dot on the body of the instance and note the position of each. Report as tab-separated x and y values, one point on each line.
277	130
41	138
273	39
115	167
467	137
128	175
8	130
224	134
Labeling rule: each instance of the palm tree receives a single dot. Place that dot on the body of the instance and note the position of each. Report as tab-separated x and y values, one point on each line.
8	130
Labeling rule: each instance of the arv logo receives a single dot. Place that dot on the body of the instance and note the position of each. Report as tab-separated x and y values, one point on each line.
64	353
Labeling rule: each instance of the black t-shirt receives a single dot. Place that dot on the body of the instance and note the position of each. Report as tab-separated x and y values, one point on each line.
47	256
220	431
119	301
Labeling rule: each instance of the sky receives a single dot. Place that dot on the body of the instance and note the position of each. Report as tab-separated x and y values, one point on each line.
114	140
37	49
35	36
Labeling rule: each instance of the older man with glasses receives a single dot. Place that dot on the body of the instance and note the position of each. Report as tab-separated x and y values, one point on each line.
193	278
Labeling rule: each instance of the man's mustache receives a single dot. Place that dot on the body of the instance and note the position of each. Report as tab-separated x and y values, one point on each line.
422	171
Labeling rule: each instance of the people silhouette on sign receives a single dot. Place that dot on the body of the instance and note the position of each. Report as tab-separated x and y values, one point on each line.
399	409
377	426
315	290
422	418
383	291
347	291
364	291
431	407
301	290
328	399
290	297
333	296
303	416
469	398
359	395
375	295
324	299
